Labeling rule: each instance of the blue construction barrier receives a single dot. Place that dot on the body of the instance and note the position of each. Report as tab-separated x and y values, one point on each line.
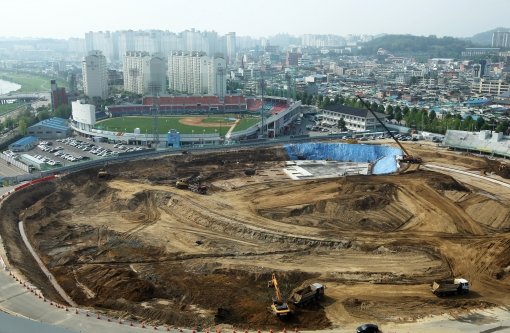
383	157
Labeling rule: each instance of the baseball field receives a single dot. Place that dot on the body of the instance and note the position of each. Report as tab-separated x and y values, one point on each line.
183	124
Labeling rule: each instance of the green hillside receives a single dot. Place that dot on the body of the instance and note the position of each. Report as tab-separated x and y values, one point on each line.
409	45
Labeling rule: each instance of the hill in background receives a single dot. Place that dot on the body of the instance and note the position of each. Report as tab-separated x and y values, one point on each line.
409	45
485	38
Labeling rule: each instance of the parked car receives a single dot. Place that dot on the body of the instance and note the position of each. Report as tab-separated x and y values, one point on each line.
368	328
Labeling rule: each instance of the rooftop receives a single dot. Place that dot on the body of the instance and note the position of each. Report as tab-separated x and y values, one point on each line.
55	123
351	111
24	141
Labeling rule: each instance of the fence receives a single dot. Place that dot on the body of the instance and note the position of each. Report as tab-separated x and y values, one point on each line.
14	162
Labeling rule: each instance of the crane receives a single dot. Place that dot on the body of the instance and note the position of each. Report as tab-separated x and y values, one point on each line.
406	158
279	307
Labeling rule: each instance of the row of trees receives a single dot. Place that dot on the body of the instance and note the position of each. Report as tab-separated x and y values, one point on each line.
419	119
29	117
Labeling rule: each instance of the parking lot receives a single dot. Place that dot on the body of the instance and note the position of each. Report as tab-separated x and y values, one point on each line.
68	151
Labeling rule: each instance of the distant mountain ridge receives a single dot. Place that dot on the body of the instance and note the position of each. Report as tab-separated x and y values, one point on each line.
485	38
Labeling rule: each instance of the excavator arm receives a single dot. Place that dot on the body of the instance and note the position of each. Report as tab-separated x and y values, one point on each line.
406	158
279	306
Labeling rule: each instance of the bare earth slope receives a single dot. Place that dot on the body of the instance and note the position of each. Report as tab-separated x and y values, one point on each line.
137	246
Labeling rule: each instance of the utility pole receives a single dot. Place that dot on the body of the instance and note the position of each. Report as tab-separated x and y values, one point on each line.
262	86
155	113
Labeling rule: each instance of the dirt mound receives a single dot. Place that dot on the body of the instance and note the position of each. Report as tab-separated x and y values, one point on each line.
445	183
409	308
136	244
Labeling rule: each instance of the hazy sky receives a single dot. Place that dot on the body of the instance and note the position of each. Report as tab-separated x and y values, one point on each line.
72	18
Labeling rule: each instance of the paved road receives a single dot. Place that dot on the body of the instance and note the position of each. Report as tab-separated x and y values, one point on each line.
17	300
50	276
7	170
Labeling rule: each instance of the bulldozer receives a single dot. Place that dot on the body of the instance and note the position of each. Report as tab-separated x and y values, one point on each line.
193	184
103	174
278	307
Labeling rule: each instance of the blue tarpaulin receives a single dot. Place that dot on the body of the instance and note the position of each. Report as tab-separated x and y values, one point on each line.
383	157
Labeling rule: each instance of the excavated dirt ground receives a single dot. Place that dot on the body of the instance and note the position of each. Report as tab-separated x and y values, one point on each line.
137	247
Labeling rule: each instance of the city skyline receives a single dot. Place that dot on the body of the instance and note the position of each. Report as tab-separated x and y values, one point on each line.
263	18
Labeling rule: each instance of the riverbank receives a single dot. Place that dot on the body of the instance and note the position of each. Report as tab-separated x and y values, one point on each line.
29	82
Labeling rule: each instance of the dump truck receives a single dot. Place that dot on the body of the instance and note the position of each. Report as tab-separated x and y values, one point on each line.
307	295
456	286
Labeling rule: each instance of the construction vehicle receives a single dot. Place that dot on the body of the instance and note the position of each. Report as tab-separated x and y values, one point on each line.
182	184
103	174
193	184
457	286
279	307
307	295
406	158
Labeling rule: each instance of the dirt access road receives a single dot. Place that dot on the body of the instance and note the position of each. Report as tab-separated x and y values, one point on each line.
137	247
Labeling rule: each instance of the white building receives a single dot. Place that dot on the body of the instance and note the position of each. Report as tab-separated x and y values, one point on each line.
95	75
231	47
144	73
356	120
197	74
489	87
84	115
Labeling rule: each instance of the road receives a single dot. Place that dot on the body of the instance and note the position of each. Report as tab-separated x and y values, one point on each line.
9	170
50	276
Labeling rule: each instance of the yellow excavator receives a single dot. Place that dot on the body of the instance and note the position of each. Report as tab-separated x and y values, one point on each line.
279	307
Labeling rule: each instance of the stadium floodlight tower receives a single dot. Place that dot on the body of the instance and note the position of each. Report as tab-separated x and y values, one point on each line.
220	82
155	88
262	86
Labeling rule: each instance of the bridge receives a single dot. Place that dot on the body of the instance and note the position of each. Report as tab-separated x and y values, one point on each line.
21	97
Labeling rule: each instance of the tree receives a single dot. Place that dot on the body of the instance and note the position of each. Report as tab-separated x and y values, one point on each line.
480	122
341	124
44	114
325	102
22	126
63	111
502	127
9	122
389	109
398	116
432	116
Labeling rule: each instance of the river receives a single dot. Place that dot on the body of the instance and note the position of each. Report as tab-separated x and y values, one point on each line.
7	86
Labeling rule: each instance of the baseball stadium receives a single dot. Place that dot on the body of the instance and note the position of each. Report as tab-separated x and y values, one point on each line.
188	120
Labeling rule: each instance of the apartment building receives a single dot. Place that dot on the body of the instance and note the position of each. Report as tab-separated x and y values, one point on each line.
95	75
144	73
489	87
197	74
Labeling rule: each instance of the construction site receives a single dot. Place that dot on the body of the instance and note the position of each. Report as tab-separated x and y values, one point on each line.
223	239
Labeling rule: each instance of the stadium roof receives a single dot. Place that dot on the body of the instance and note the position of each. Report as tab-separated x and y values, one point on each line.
55	123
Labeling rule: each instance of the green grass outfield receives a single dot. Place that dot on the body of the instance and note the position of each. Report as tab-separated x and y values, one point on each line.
128	125
30	82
